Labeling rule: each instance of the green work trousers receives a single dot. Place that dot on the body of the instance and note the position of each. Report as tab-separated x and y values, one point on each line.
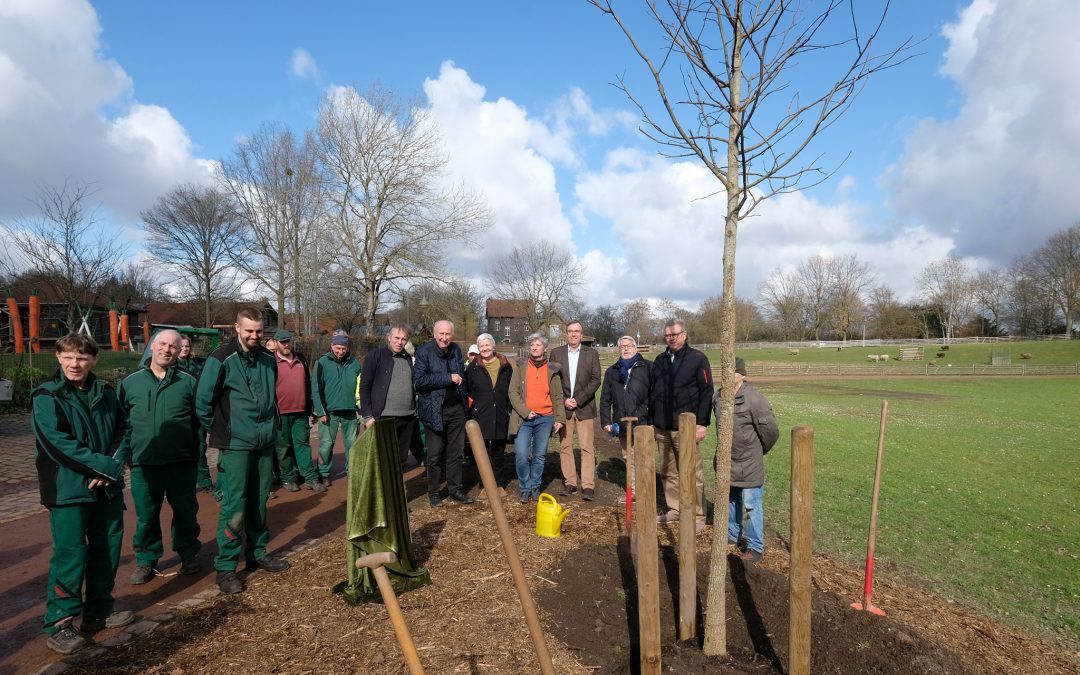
294	449
203	480
328	434
244	481
86	545
151	485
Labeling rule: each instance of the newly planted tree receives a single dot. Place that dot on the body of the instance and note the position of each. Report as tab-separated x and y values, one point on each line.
725	72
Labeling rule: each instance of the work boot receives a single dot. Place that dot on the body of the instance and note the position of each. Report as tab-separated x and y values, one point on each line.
461	497
568	491
435	500
272	563
142	574
317	486
292	487
114	620
229	583
750	557
66	639
190	567
587	494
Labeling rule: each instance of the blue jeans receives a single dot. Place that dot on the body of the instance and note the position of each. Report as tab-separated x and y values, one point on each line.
530	450
747	501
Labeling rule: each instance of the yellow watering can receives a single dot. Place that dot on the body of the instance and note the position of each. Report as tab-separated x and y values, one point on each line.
549	517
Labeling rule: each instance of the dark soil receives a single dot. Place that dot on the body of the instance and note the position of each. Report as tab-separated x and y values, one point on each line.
592	612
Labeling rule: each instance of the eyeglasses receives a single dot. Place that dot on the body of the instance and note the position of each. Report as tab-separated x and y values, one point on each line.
669	336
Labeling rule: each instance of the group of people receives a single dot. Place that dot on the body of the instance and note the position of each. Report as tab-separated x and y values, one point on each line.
255	406
244	400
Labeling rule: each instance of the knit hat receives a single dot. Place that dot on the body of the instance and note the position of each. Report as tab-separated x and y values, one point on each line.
740	366
283	336
339	337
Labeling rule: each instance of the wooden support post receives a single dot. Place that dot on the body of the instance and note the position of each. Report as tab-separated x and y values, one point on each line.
648	563
802	501
688	462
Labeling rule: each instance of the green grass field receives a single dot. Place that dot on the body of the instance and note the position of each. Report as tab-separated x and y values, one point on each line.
1043	352
980	496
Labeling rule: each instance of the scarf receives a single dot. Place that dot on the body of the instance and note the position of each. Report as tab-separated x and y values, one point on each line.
625	365
538	362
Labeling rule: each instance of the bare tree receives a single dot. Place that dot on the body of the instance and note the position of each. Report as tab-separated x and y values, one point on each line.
459	301
949	290
387	203
191	232
67	246
815	290
276	192
545	276
1029	307
781	296
732	59
887	318
990	289
1058	264
850	281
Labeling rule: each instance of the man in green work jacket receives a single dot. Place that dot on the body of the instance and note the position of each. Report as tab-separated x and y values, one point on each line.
333	392
236	404
162	432
80	456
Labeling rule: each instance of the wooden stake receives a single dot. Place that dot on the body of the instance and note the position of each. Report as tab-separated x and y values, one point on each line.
648	565
528	606
688	461
802	501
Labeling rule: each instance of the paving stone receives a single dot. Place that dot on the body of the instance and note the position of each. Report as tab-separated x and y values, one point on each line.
86	656
116	640
163	618
54	668
209	593
191	603
142	627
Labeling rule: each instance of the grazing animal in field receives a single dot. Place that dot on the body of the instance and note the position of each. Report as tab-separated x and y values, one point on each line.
793	352
1025	355
884	357
872	357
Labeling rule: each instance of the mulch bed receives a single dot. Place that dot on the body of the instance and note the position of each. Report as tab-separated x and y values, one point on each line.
469	619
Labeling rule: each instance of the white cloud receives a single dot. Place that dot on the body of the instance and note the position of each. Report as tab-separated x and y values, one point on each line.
303	65
998	178
57	85
498	149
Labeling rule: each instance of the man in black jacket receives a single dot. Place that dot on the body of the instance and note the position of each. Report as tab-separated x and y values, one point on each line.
386	388
682	382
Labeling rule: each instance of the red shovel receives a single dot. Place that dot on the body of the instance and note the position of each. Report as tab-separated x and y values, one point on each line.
868	581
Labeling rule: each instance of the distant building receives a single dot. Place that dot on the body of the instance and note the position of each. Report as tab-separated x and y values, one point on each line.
508	320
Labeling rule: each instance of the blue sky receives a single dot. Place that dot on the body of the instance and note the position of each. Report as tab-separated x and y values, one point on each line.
969	148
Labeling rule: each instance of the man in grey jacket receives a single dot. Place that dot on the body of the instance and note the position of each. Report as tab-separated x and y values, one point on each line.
755	432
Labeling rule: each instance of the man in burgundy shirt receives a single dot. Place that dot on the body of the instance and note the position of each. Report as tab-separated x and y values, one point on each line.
294	409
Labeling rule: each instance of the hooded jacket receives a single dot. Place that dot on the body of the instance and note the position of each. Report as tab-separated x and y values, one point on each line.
160	424
518	393
333	384
236	400
74	445
754	433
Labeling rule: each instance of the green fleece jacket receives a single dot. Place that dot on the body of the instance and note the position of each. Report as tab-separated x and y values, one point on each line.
235	398
74	445
333	384
160	423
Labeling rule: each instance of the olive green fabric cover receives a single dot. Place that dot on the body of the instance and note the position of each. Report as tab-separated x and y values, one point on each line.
377	516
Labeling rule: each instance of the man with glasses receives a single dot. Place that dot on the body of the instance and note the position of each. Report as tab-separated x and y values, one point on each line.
682	382
580	365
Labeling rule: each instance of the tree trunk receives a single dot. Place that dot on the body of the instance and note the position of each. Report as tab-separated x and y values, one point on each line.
715	643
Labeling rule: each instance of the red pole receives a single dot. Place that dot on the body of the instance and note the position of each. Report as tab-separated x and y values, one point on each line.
146	332
868	581
114	328
16	325
35	324
125	338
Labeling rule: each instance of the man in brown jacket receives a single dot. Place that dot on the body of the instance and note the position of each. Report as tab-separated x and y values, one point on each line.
581	378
